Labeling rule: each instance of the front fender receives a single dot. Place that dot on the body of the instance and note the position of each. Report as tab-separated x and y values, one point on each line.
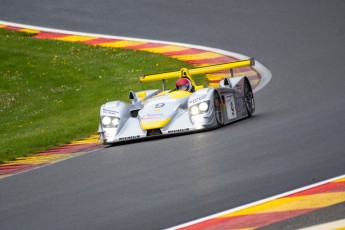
200	96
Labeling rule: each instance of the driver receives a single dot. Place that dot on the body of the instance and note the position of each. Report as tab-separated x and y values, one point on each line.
184	84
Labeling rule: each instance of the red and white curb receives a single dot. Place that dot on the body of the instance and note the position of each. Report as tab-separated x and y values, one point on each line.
44	158
275	209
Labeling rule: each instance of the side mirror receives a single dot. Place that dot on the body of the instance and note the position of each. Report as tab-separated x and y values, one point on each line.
131	96
134	98
227	82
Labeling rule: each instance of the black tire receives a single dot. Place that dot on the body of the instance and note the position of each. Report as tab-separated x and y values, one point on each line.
248	98
217	109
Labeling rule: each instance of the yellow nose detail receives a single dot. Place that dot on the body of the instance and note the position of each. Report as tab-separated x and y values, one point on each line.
179	94
156	124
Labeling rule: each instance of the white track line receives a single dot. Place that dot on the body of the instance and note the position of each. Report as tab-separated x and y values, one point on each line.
256	203
265	73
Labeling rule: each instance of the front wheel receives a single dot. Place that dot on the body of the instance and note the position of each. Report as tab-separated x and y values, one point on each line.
217	109
249	98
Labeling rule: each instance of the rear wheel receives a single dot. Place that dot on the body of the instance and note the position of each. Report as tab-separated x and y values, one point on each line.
249	98
217	109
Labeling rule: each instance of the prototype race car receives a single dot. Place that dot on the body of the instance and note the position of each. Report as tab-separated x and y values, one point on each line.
164	112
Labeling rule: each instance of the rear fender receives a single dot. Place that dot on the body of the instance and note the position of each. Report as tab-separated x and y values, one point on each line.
236	83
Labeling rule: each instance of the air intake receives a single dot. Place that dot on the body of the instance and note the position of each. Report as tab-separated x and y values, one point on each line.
153	132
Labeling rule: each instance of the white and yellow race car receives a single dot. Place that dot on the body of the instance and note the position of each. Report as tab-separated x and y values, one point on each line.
186	108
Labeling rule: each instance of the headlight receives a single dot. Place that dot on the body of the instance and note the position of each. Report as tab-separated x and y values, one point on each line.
203	106
115	122
110	122
194	110
106	121
200	108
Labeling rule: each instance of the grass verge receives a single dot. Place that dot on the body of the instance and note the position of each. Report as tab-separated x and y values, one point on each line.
51	91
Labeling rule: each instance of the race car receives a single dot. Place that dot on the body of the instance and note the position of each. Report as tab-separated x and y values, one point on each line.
187	108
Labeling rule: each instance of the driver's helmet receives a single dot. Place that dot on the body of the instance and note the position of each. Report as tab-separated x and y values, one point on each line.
184	84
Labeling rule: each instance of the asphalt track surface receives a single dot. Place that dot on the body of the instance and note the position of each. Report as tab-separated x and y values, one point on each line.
296	137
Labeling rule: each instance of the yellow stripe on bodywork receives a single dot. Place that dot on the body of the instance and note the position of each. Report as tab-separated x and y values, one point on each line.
156	124
75	38
179	94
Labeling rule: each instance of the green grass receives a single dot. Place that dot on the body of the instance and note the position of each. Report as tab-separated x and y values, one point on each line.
51	91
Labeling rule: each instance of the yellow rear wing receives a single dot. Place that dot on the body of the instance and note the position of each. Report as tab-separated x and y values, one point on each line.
200	70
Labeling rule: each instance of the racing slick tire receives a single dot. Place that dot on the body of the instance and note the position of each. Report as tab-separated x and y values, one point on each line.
249	98
217	109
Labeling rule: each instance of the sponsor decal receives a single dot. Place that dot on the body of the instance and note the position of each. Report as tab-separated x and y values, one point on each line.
152	116
178	130
238	107
109	134
109	111
230	106
198	99
129	138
